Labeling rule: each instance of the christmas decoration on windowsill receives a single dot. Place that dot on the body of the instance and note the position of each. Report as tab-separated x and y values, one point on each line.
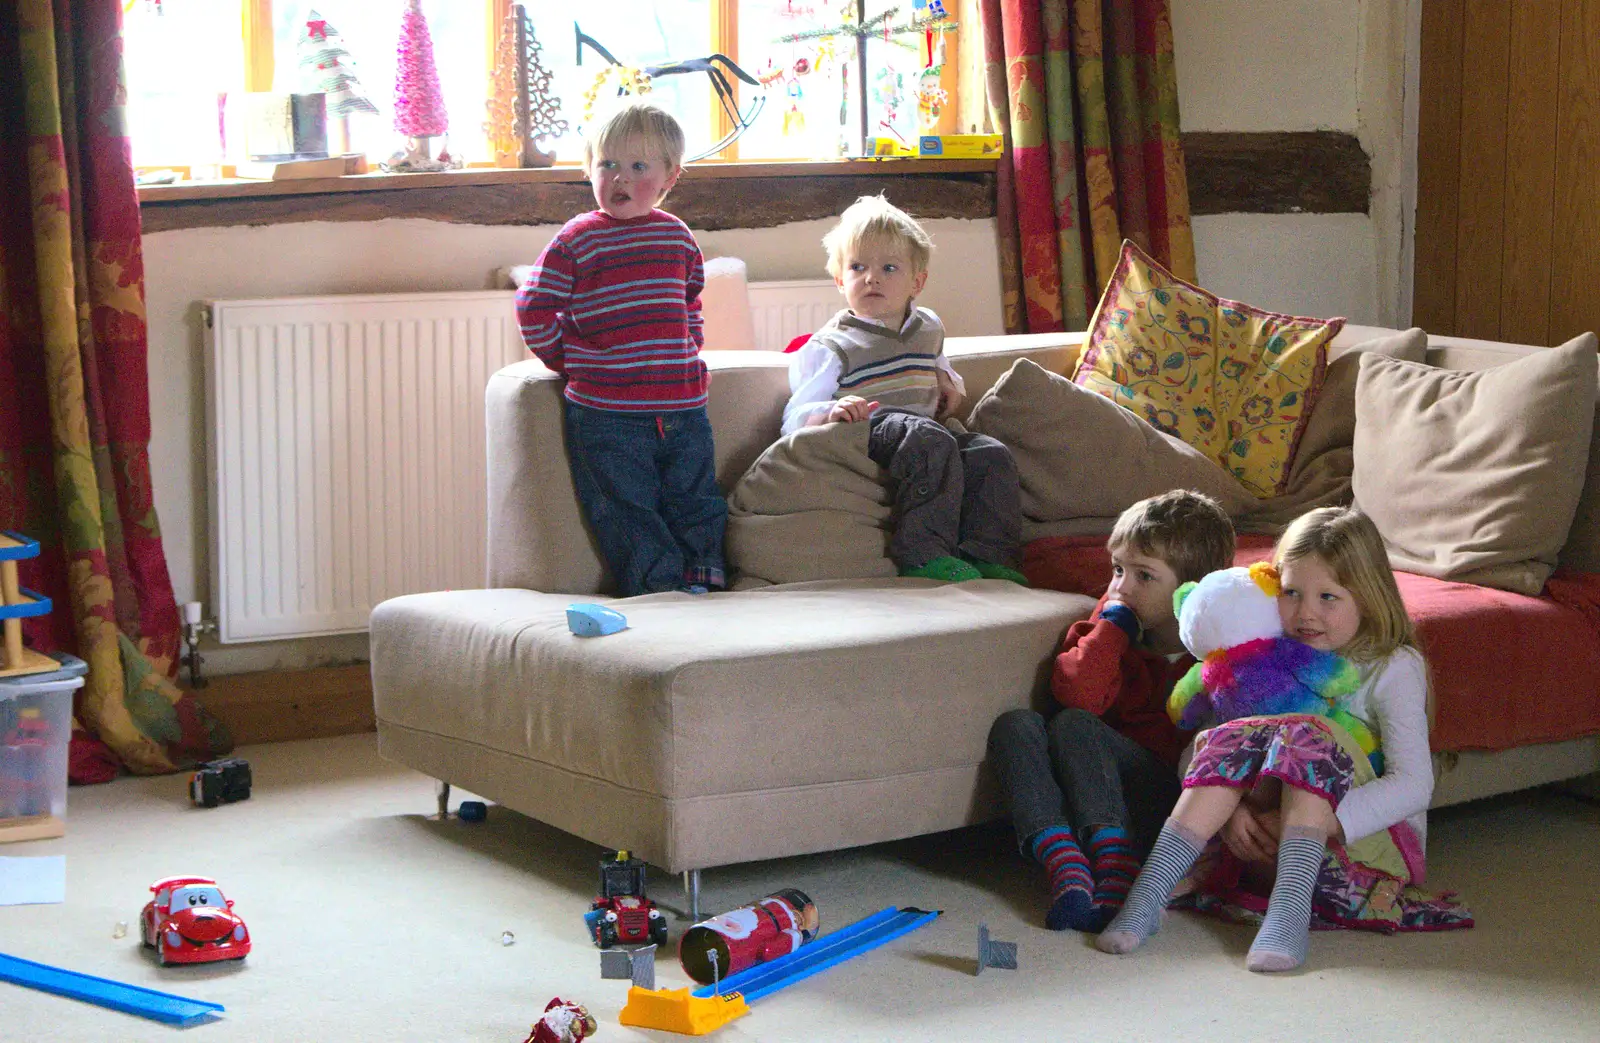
419	111
325	67
930	20
522	111
628	80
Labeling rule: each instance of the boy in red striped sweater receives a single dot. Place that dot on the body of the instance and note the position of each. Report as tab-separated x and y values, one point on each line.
614	306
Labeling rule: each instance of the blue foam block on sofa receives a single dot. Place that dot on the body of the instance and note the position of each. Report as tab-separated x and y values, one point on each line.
588	620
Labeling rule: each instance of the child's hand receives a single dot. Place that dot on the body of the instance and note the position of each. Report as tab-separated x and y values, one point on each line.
949	398
1124	617
850	409
1252	835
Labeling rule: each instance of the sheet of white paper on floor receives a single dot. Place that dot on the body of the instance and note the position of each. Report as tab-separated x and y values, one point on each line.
38	880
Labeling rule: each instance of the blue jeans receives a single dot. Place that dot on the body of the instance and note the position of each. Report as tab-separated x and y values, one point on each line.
648	489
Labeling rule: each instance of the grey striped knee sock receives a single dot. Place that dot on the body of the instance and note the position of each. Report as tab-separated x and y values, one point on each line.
1281	942
1140	917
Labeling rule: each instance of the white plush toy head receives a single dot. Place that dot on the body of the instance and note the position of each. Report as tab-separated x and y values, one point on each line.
1227	608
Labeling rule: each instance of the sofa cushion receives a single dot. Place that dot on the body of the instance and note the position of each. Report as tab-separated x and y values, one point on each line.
1581	553
1232	380
706	701
1083	459
813	506
1320	473
1476	476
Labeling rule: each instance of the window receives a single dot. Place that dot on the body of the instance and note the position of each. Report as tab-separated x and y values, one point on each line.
189	60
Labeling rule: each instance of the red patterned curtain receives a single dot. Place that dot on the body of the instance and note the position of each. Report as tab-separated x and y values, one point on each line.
74	396
1087	95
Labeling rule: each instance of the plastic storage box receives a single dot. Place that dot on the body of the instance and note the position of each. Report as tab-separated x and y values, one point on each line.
35	730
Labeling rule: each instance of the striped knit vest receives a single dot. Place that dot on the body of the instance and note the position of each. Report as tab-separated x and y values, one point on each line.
895	368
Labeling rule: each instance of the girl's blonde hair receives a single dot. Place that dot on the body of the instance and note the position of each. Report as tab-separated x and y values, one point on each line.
876	221
1348	543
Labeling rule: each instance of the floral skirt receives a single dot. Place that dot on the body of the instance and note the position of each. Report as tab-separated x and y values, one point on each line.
1368	885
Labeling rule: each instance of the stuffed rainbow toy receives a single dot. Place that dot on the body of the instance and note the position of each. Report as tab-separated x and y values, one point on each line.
1247	667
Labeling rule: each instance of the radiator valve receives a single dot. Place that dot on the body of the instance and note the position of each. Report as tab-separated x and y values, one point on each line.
193	628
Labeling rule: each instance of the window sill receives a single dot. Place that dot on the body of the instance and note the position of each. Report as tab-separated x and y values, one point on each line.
243	188
710	197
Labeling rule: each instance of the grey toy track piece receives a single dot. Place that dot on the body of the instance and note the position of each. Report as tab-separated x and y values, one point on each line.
639	965
1002	955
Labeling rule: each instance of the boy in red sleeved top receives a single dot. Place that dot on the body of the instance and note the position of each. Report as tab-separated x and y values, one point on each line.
613	305
1090	788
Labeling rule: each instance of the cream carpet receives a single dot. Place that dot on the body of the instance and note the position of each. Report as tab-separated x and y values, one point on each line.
373	922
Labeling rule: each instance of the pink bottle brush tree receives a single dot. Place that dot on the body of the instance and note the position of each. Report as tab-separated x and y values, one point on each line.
419	111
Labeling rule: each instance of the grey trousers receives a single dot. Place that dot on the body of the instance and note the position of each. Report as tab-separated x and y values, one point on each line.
1077	771
953	493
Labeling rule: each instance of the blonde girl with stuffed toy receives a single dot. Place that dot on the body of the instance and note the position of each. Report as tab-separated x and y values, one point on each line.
1291	801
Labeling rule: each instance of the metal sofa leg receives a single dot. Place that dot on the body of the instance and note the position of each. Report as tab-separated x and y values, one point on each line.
691	892
444	800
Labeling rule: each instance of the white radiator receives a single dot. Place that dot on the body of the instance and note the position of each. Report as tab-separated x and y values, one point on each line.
784	310
346	453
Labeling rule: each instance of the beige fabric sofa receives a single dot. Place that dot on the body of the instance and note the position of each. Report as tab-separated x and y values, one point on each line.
753	724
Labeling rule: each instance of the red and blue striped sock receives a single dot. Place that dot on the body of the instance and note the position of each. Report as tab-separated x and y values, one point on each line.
1114	865
1071	886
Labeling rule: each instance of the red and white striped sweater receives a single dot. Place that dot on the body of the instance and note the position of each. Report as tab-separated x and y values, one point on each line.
615	306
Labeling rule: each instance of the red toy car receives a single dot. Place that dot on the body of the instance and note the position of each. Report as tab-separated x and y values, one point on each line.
188	921
622	915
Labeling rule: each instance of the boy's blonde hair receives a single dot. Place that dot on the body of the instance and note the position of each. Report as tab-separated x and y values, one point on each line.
873	220
1188	530
638	121
1349	544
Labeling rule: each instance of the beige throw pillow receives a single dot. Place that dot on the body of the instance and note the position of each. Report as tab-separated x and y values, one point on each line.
1081	456
813	506
1582	550
1319	475
1475	476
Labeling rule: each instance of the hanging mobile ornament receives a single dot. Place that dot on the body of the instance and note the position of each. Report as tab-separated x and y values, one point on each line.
889	92
931	98
794	120
844	108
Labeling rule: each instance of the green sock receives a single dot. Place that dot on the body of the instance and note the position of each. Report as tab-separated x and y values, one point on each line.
989	570
944	567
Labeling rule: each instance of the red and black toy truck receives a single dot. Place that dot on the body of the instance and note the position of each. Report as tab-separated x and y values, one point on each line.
622	915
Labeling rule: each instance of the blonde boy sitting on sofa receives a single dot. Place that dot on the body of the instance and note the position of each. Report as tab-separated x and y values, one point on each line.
957	505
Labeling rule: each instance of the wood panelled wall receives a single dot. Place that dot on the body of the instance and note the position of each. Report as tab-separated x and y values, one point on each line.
1508	180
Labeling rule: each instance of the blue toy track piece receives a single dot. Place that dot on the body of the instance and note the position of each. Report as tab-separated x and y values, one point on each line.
131	999
38	605
26	548
828	951
589	620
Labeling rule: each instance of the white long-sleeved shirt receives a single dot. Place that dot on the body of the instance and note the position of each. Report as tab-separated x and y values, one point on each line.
814	380
1393	701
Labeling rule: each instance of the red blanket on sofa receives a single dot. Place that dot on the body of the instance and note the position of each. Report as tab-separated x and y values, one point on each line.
1508	670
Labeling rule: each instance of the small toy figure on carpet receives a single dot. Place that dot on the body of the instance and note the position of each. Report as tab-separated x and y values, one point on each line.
562	1022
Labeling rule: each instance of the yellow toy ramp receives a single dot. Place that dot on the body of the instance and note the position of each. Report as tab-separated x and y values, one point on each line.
674	1010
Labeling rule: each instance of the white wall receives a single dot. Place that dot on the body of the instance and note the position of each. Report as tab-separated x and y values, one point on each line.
185	268
1296	65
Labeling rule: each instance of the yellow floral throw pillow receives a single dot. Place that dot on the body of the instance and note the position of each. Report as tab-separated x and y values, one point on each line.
1235	382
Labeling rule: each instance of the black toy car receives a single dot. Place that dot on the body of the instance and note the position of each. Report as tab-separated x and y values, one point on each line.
220	782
